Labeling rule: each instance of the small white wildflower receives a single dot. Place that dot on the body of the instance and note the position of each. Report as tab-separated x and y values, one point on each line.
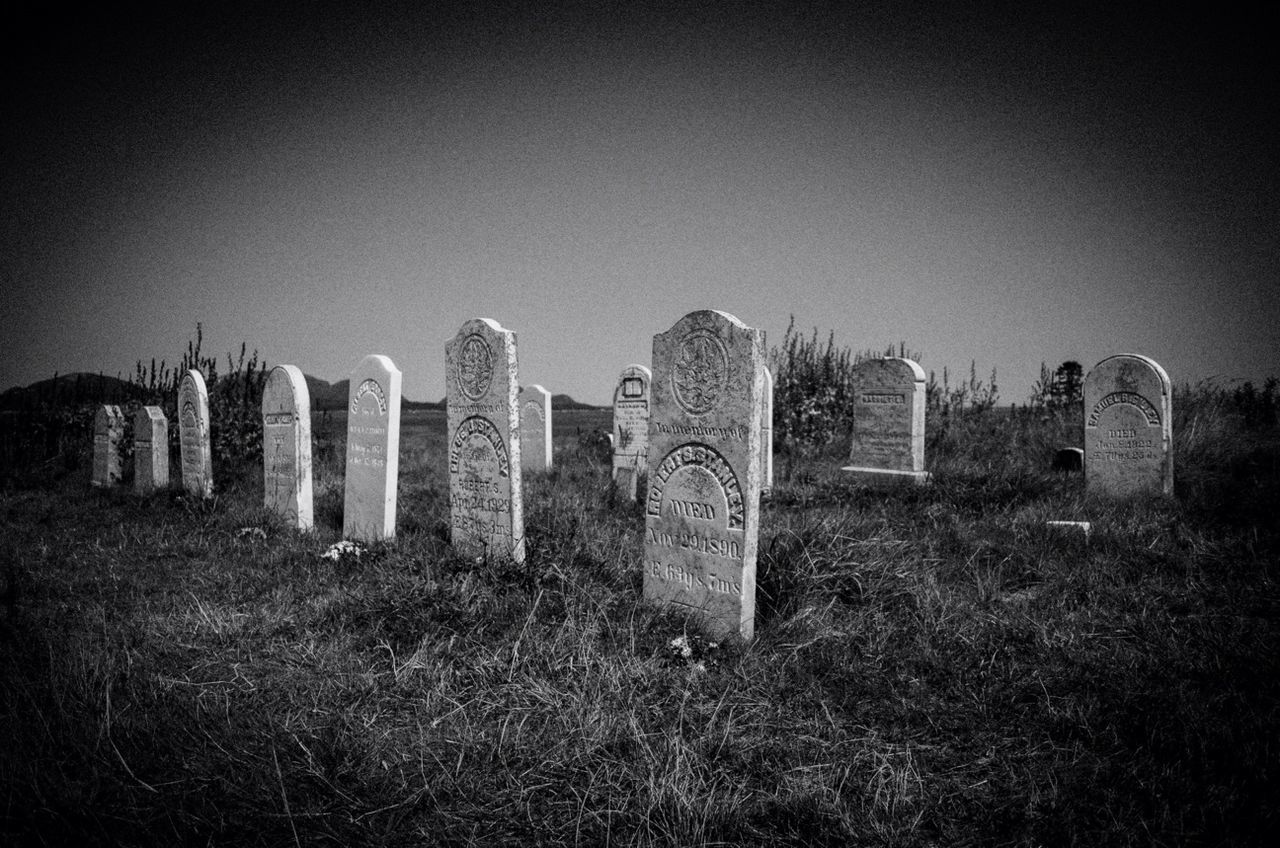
680	645
251	532
340	549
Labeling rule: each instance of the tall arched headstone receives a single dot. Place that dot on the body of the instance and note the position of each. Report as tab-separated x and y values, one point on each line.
703	490
108	429
1128	427
286	446
373	450
535	428
150	450
485	508
630	427
888	422
193	435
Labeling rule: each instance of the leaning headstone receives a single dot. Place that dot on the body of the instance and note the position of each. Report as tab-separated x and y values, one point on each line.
888	422
486	514
1068	459
150	450
286	446
630	437
535	428
702	503
766	435
373	450
193	435
1128	427
108	428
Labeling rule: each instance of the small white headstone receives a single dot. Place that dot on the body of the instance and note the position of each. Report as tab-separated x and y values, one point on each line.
888	422
1128	427
286	446
108	428
486	513
150	450
535	428
373	450
703	489
630	437
193	435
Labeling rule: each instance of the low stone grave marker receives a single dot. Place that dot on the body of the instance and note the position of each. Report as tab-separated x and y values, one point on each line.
373	450
630	436
193	435
150	450
286	446
486	513
703	488
535	428
1128	429
108	429
1068	459
888	422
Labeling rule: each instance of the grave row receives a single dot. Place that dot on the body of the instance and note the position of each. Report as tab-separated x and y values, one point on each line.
692	436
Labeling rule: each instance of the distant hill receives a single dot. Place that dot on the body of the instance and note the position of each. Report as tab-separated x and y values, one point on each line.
333	396
68	389
566	402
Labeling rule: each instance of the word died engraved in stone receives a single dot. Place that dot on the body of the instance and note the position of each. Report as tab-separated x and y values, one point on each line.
475	367
700	456
369	387
700	372
484	429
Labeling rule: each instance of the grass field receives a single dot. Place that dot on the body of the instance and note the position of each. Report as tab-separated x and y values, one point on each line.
932	666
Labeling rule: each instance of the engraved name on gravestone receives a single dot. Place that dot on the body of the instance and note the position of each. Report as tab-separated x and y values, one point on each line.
630	427
193	435
108	428
702	495
286	446
485	509
373	450
888	422
1128	427
535	428
150	450
766	434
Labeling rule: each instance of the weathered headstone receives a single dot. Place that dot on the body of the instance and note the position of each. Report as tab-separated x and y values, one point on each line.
193	435
535	428
150	450
766	435
486	513
373	450
888	422
108	428
703	491
1068	459
286	446
630	437
1128	427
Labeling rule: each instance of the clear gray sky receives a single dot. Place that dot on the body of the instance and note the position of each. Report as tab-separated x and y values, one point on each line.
1001	183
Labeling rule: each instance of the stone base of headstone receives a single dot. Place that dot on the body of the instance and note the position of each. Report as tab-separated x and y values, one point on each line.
1080	528
885	477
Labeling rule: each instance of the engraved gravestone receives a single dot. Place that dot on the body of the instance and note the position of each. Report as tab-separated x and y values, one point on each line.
286	446
766	434
373	450
485	509
150	450
1128	429
193	435
702	495
535	428
630	438
888	422
108	428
